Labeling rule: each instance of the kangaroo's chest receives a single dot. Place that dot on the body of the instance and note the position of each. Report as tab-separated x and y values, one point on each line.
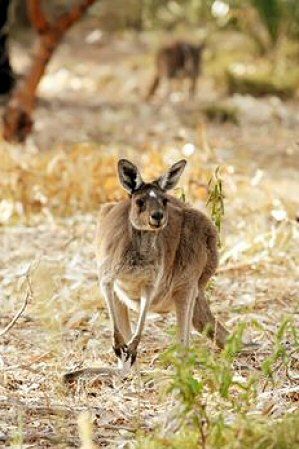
142	254
133	281
130	285
140	269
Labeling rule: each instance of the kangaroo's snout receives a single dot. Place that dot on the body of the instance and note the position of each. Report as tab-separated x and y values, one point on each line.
156	218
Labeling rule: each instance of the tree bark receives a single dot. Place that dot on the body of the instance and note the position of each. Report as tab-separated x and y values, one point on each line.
6	74
21	13
17	117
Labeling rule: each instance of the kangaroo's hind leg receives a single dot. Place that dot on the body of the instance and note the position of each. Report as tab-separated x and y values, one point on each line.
184	304
204	320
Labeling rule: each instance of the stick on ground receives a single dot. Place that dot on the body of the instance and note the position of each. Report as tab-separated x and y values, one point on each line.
17	315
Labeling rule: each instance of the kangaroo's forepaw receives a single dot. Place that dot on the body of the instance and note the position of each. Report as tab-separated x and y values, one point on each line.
120	350
132	355
125	354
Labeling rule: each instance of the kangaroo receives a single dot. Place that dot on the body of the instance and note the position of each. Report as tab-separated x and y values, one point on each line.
155	252
180	59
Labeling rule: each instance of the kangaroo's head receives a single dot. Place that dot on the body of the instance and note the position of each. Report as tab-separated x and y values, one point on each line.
148	211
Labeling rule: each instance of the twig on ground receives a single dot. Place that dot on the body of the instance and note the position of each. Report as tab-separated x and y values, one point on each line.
17	315
26	366
28	296
103	373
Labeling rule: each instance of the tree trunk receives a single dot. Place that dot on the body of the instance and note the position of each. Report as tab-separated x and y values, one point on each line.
20	13
18	114
6	74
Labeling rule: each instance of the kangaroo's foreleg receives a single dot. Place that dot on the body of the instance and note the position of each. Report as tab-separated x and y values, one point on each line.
204	320
119	346
135	340
184	304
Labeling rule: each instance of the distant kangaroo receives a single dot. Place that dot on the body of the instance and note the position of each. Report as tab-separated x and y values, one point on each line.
155	252
179	60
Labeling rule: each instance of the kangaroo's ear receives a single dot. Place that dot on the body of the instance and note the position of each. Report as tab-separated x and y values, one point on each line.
171	178
129	176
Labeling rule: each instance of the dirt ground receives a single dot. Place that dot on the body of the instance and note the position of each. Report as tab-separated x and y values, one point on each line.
93	94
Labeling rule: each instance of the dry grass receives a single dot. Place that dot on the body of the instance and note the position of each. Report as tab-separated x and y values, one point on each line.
48	204
65	326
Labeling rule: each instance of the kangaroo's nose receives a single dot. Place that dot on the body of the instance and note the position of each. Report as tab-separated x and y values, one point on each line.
157	215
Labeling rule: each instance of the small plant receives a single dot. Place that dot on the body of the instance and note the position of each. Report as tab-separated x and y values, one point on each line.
216	199
280	355
212	404
181	194
17	437
221	112
271	16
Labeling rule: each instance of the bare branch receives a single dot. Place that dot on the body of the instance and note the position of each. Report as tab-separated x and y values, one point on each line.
68	19
102	373
37	16
29	295
17	316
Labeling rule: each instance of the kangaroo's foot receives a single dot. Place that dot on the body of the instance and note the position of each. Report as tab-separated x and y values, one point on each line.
125	354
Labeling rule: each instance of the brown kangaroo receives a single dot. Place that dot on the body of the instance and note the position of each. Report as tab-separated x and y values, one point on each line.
155	252
180	59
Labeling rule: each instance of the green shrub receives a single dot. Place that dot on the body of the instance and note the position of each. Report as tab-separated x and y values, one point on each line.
261	83
214	408
221	112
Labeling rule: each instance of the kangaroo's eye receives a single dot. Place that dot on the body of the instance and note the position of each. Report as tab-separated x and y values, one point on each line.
164	201
140	203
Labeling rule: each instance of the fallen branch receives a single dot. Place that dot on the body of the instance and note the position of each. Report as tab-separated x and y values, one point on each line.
26	366
103	373
17	315
29	295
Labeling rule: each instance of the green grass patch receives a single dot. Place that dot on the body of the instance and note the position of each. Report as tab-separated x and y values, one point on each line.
244	433
248	79
221	112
